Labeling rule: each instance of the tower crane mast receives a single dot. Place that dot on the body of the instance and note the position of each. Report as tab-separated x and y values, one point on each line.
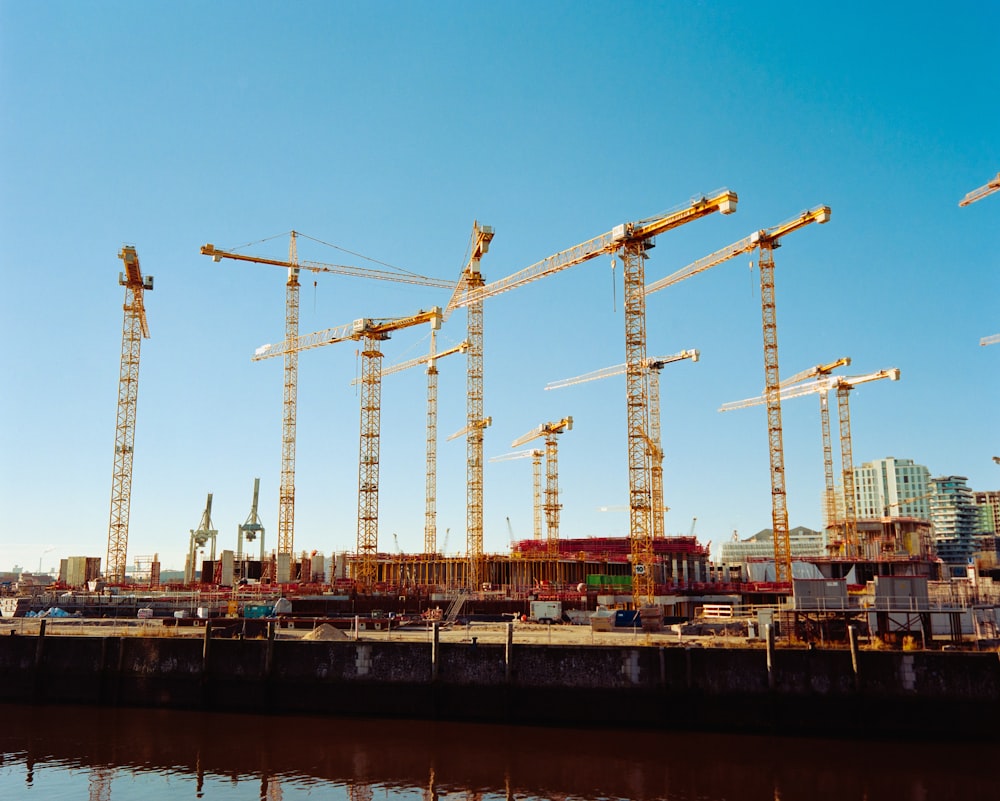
824	416
765	241
286	493
430	481
552	506
370	332
135	328
655	441
536	474
630	242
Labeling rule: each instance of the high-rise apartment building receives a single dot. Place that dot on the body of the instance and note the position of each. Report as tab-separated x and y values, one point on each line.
891	487
954	517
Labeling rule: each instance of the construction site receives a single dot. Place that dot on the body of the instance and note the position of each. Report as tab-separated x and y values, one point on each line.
886	562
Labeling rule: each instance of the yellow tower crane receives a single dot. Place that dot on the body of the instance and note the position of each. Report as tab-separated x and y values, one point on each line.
134	329
764	240
536	475
630	242
843	385
552	506
286	492
370	332
981	192
655	441
430	482
824	416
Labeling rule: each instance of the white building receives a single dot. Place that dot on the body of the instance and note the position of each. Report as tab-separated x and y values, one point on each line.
891	487
802	541
955	518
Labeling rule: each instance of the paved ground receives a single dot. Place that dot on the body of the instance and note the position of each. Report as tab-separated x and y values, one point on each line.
524	633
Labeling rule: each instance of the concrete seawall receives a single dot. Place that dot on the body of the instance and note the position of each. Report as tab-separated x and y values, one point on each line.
919	694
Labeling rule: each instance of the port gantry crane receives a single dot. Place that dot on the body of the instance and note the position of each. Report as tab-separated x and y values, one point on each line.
765	241
655	441
430	483
843	385
135	328
630	242
536	483
370	332
550	431
286	493
981	192
252	528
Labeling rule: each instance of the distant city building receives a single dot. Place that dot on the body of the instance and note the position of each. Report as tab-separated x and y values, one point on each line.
891	487
988	509
955	518
802	541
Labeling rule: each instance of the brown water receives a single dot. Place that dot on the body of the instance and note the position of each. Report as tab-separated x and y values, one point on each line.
52	753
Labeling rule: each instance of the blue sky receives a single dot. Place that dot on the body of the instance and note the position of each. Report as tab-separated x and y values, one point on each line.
386	129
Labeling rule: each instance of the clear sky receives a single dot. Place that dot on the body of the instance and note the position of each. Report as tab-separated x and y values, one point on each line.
386	129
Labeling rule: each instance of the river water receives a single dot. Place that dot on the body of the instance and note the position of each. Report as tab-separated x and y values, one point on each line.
62	753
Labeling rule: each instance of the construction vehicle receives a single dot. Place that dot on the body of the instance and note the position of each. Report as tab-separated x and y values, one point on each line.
654	439
550	431
370	332
843	385
135	328
764	241
286	493
630	242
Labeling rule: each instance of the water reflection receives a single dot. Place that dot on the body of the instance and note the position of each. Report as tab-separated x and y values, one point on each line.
115	754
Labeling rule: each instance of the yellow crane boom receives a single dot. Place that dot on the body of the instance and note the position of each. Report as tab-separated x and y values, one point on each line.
135	328
765	241
370	331
981	192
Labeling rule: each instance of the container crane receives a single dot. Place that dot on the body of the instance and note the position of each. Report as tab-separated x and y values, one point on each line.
430	481
199	537
552	506
536	473
135	328
981	192
631	243
655	442
252	528
843	385
370	332
765	241
286	493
